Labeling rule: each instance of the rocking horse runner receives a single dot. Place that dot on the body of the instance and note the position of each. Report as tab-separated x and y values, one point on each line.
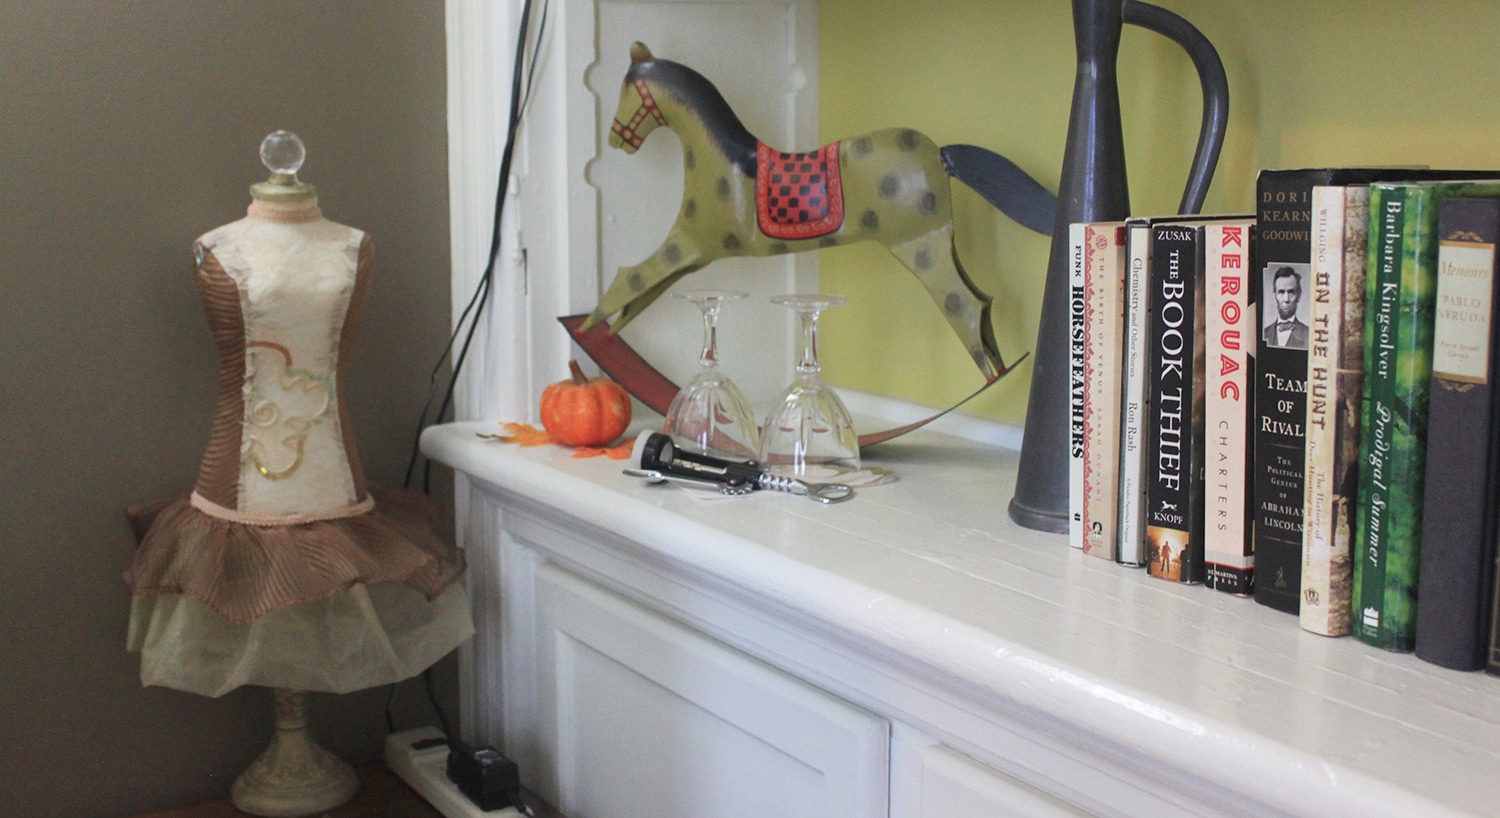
743	198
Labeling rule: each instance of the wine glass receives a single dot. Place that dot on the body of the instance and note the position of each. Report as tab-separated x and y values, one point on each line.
809	434
711	415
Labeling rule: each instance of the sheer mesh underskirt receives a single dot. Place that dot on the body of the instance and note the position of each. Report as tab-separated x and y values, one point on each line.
330	605
364	636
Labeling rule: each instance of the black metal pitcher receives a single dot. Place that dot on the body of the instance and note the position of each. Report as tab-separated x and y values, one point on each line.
1093	188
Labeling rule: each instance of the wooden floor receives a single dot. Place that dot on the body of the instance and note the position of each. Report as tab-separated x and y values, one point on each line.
381	795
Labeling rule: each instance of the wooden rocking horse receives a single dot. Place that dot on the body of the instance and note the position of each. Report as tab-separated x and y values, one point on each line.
744	198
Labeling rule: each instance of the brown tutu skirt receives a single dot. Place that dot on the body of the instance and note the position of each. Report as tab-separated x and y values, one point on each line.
330	605
244	571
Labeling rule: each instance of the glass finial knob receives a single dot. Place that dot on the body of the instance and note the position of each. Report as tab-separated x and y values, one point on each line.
283	152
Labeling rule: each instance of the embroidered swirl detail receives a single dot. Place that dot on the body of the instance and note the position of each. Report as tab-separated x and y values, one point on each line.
279	424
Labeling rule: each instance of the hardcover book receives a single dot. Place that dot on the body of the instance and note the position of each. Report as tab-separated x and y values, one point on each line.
1284	243
1174	485
1104	291
1461	504
1335	376
1400	287
1229	550
1077	349
1135	398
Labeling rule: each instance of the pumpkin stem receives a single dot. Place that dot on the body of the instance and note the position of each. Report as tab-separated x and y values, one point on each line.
579	379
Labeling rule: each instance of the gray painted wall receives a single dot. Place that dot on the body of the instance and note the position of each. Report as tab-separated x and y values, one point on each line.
126	130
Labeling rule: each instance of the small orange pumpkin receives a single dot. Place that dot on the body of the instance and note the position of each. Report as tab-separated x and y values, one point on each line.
584	411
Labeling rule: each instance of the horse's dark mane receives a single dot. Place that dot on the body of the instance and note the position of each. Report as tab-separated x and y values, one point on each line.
696	92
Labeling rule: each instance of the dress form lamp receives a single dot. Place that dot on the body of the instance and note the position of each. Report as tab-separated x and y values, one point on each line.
283	567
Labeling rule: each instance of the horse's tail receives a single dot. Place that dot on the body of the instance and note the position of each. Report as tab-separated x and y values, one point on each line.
1003	184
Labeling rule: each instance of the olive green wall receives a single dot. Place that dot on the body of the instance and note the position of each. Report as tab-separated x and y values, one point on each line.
1327	82
126	130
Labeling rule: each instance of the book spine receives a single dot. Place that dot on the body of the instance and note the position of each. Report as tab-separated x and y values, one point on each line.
1229	551
1135	398
1460	503
1104	268
1283	248
1335	376
1076	354
1174	488
1377	417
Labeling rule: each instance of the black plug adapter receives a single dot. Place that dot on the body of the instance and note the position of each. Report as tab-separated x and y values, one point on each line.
486	777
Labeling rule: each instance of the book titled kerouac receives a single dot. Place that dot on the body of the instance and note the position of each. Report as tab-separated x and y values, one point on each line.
1229	365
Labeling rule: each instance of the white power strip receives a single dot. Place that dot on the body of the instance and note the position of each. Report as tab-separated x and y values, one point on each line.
425	769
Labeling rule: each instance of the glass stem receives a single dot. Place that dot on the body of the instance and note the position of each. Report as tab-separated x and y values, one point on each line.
709	357
809	363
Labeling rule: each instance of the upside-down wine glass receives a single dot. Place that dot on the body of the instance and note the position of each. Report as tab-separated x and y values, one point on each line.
809	434
711	415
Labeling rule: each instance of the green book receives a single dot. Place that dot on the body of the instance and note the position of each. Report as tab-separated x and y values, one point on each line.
1400	287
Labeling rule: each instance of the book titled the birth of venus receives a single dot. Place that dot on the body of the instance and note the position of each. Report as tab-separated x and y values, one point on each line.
1335	373
1229	362
1462	500
1104	293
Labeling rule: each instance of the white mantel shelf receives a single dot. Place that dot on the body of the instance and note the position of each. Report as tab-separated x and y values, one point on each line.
983	630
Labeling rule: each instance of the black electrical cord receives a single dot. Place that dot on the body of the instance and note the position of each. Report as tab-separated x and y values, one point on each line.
522	81
524	74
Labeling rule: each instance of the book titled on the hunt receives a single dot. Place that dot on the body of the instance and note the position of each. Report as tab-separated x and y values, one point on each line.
1461	504
1135	397
1077	351
1283	252
1400	284
1104	310
1229	362
1335	373
1174	454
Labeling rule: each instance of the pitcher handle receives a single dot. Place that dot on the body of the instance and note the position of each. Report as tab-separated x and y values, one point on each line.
1215	93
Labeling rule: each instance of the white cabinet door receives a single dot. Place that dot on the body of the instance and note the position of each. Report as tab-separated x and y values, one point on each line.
953	786
644	717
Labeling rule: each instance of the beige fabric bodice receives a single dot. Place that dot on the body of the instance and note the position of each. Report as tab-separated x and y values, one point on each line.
283	302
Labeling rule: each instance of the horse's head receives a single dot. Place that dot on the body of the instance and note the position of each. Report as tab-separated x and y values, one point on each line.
638	114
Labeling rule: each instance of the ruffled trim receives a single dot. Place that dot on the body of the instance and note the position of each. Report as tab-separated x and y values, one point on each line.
242	572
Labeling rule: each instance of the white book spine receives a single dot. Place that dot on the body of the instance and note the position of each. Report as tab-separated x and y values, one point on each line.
1076	354
1231	324
1339	241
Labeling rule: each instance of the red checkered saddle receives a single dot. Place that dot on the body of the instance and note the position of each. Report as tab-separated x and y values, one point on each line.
798	195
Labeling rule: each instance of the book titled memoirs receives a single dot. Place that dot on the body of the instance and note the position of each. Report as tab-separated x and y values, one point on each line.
1400	285
1174	454
1335	376
1104	312
1461	505
1229	363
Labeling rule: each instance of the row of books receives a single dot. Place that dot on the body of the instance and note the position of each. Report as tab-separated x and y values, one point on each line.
1296	405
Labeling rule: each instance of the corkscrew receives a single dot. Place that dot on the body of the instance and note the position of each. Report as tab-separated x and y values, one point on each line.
658	459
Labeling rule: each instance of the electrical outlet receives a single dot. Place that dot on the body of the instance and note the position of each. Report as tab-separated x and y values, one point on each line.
420	758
